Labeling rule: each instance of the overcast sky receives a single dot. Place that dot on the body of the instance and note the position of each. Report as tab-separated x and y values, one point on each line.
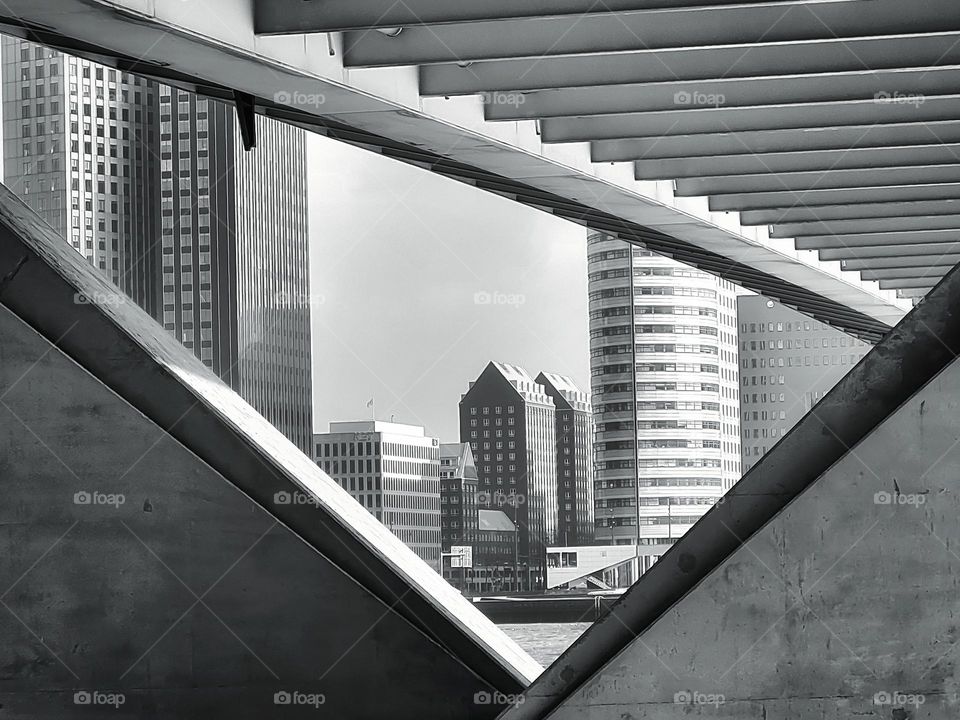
421	280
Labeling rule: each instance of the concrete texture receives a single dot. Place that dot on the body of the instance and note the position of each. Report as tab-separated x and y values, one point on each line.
199	595
913	353
845	605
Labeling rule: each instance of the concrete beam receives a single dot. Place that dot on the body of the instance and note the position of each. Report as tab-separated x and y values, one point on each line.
935	251
921	283
729	92
824	213
794	162
777	141
708	120
847	196
902	261
867	225
274	17
932	273
825	180
927	237
654	30
609	674
699	64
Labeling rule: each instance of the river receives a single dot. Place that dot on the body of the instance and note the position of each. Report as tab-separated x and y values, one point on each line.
545	641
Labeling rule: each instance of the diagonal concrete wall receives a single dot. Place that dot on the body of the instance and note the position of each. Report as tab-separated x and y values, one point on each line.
199	595
843	605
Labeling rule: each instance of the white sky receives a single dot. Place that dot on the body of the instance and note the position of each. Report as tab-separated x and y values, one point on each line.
397	257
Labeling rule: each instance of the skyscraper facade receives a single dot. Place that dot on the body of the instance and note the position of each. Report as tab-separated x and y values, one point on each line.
393	470
235	254
510	422
80	148
152	186
788	362
575	491
663	347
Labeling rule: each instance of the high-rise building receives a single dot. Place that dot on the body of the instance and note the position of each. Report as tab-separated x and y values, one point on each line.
235	254
80	146
393	470
788	362
575	491
663	347
151	184
510	422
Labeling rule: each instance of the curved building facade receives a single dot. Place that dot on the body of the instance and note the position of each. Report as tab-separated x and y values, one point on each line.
664	381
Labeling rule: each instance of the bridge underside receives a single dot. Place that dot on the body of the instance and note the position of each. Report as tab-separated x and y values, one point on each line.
164	543
591	112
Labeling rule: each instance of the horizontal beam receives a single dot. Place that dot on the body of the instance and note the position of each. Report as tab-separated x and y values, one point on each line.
728	92
867	225
277	17
914	283
776	141
810	198
822	160
712	63
936	250
931	274
912	293
902	261
707	120
802	214
653	30
818	242
825	180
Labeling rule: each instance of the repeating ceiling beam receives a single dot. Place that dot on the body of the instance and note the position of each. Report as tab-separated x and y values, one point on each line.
804	214
728	92
654	30
821	160
689	64
780	199
827	137
708	120
278	17
866	225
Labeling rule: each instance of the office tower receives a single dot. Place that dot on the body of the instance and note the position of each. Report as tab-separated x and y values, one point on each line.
393	470
235	254
80	148
151	184
509	420
663	350
788	362
575	491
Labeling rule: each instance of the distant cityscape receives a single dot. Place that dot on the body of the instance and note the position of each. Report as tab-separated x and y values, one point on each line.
549	485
